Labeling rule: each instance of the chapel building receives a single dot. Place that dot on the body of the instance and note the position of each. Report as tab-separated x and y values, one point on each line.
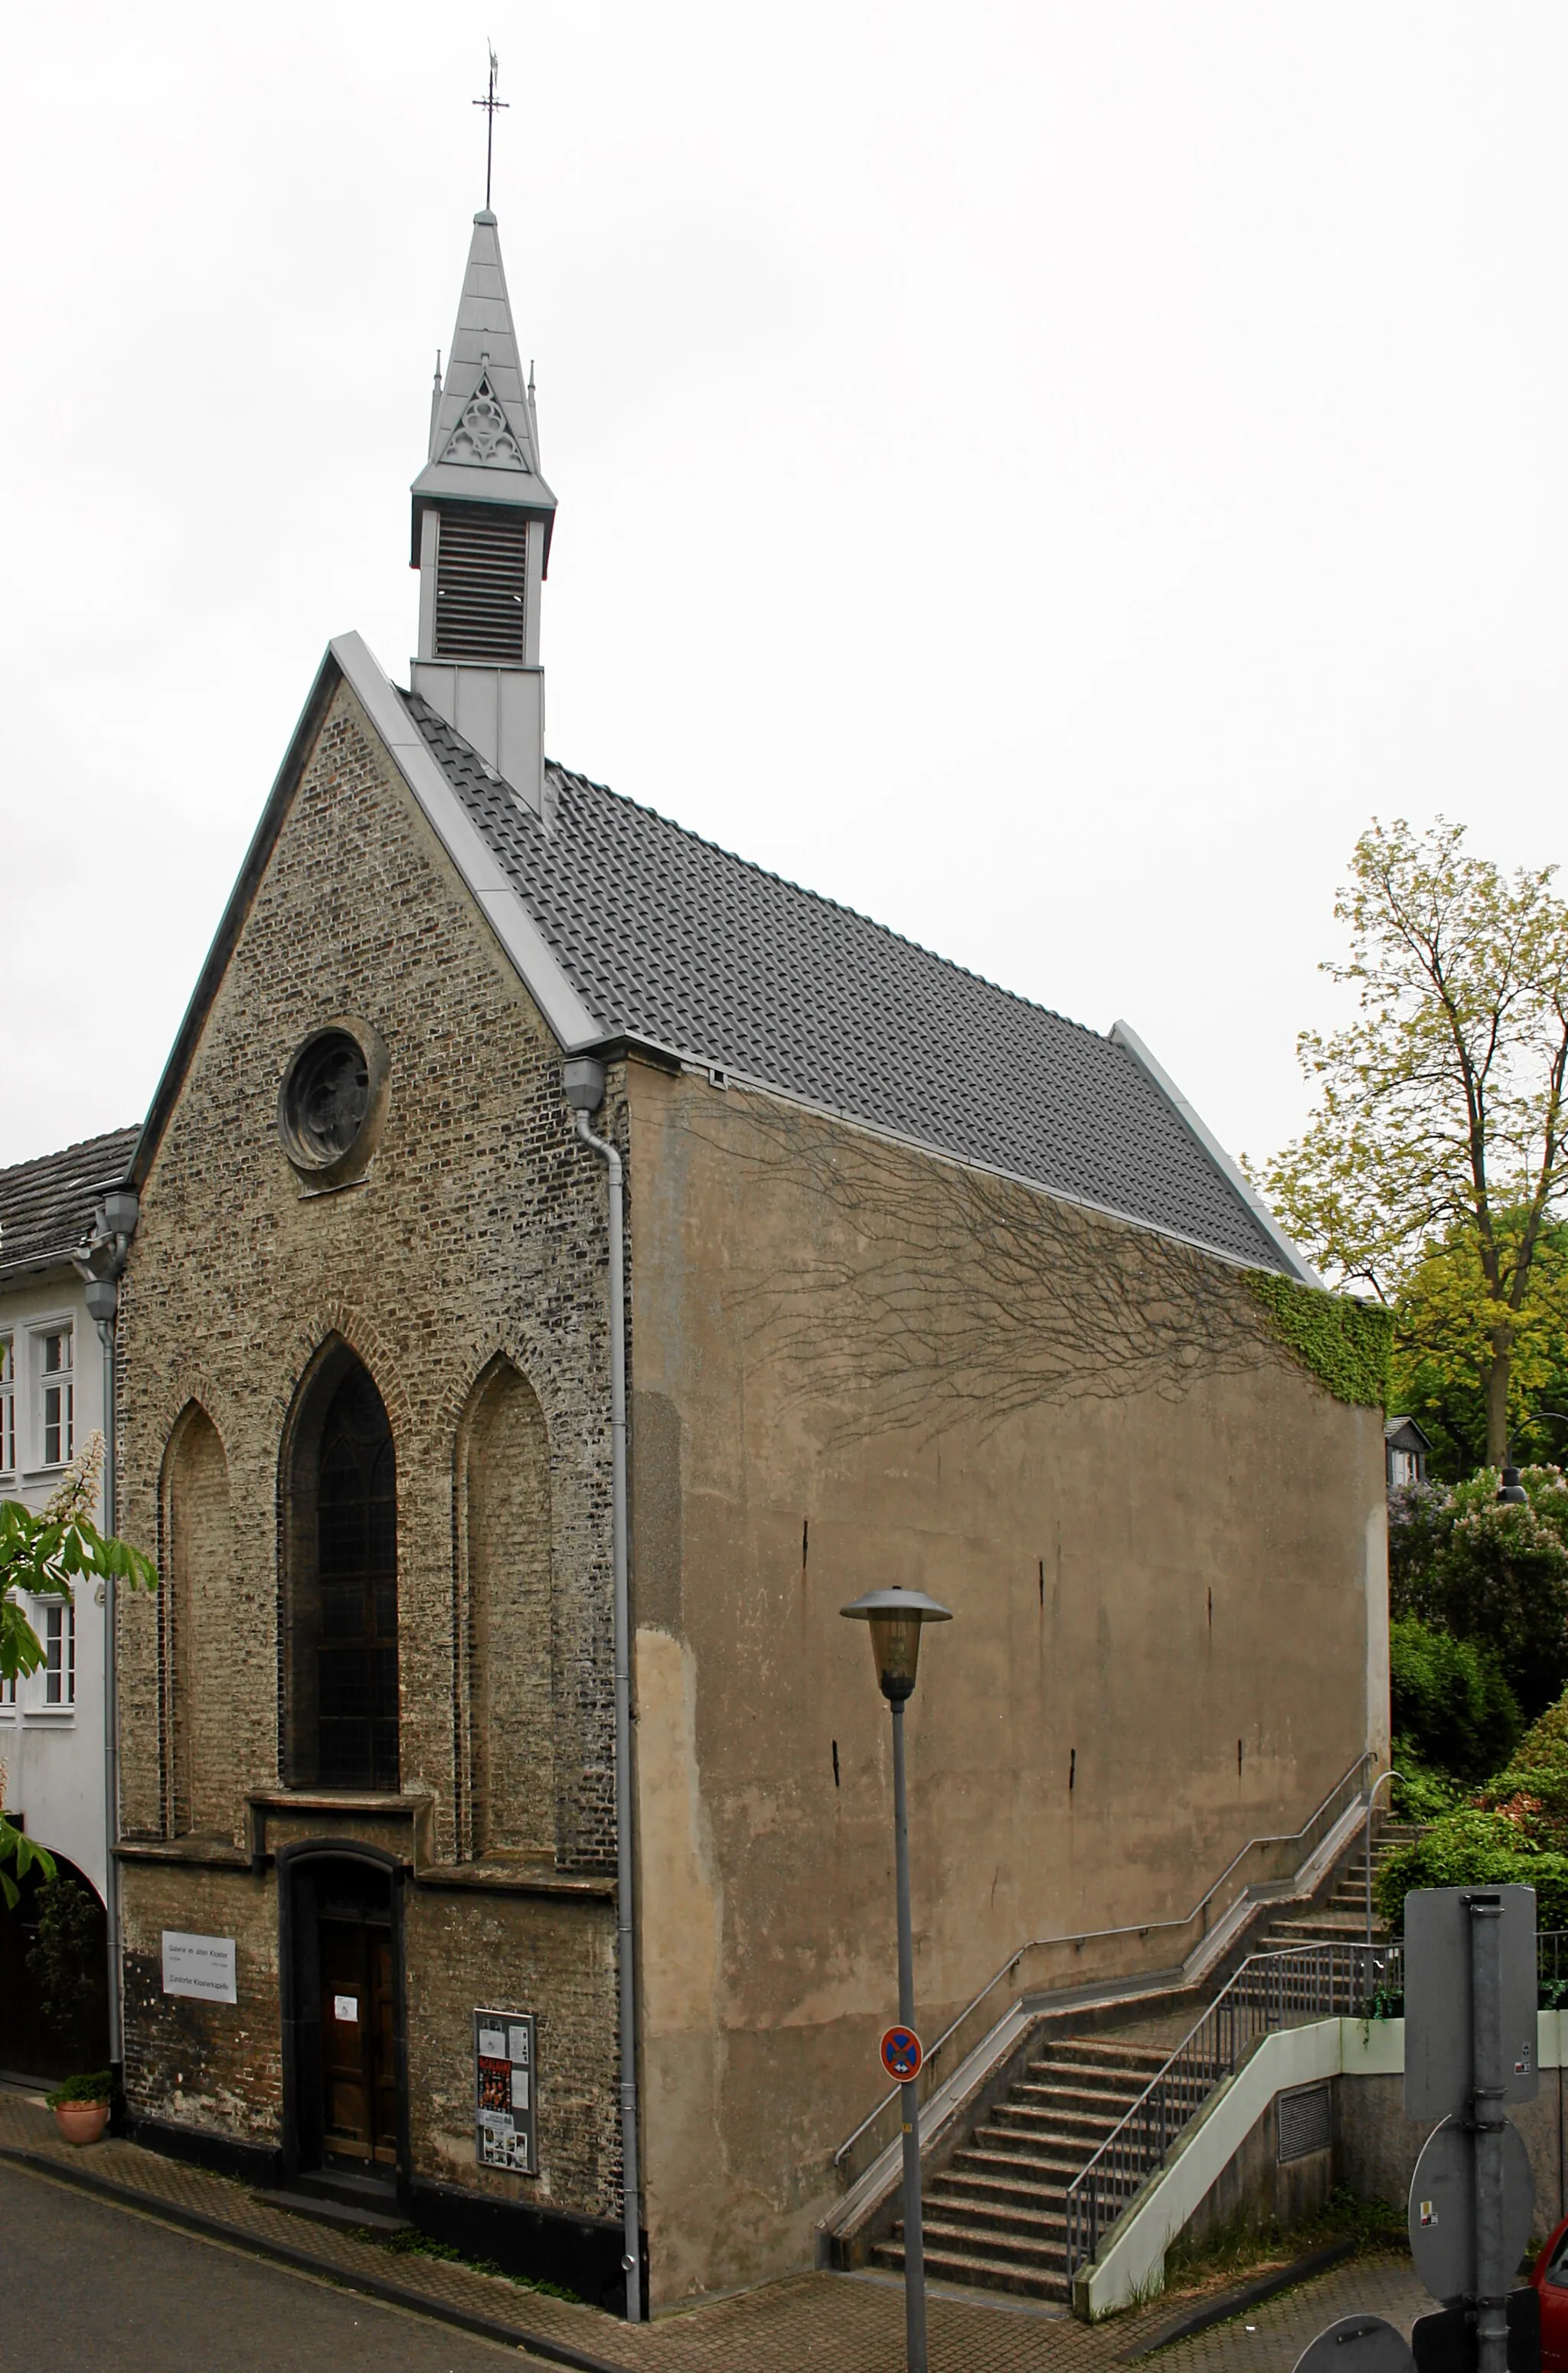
483	1822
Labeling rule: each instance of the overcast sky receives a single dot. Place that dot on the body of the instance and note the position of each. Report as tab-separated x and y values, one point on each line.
1044	474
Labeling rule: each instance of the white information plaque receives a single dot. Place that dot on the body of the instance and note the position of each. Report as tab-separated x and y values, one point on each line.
200	1968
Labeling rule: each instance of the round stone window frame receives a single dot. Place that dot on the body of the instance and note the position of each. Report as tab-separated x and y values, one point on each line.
342	1169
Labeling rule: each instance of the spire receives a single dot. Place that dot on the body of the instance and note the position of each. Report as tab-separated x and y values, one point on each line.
484	439
482	517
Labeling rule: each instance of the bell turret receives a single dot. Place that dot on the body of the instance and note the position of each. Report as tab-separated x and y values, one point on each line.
483	516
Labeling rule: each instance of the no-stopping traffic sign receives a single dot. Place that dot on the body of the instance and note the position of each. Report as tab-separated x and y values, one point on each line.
901	2054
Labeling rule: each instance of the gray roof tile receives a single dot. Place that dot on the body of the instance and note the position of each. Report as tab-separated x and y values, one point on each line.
668	938
46	1206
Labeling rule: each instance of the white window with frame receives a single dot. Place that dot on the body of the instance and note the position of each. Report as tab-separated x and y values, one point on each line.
7	1404
59	1672
56	1397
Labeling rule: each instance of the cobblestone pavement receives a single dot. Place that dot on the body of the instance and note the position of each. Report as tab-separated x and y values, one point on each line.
852	2323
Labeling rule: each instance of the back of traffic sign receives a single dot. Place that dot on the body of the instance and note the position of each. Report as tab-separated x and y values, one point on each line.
1357	2343
1442	2208
1439	2039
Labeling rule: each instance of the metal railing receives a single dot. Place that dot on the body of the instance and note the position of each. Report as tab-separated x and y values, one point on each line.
1294	1988
1320	1820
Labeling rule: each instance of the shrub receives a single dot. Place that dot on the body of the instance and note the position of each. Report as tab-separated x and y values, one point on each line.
63	1954
1475	1847
1419	1795
1503	1578
1452	1707
99	2088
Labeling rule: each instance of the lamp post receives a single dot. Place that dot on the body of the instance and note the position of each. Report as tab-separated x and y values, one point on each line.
895	1617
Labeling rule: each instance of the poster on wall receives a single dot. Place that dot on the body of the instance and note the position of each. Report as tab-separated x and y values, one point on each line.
505	2091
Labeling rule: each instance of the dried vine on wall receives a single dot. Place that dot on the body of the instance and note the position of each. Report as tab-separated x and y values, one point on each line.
923	1295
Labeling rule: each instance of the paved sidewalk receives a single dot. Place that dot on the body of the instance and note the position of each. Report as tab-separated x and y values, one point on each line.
850	2323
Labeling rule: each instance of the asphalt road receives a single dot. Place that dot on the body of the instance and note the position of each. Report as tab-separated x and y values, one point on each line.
87	2288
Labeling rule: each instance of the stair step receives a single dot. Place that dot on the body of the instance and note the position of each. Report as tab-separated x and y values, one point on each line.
337	2213
999	2221
1012	2122
947	2265
1080	2077
1040	2170
1103	2052
1082	2100
1045	2255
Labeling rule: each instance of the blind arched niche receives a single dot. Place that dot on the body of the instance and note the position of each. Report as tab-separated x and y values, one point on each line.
340	1583
511	1694
198	1619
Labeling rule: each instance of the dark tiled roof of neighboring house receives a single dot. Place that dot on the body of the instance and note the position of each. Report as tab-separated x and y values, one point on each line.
46	1206
667	937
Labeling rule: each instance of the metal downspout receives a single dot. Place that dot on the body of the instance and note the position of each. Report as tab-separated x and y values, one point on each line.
100	1267
110	1711
577	1088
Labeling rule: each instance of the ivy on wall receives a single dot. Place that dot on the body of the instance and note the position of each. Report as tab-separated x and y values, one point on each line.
1344	1342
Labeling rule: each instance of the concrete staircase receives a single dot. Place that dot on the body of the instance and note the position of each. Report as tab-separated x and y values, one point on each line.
996	2215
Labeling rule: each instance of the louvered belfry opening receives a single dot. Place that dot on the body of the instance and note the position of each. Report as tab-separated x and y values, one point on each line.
481	586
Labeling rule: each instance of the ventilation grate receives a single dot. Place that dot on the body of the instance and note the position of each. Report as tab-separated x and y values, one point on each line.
481	582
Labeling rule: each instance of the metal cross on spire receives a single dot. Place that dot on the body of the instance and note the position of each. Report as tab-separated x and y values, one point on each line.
490	103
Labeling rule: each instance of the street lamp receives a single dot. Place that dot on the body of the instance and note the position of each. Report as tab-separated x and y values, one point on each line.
895	1617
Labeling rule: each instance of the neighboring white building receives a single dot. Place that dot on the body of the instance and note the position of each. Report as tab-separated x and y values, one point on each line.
53	1397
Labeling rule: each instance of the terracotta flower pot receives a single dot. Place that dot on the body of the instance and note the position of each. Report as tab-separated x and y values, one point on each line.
81	2122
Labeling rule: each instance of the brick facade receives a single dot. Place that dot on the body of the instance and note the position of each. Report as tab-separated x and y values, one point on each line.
467	1272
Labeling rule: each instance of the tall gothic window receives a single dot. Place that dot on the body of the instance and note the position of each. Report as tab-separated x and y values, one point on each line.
342	1557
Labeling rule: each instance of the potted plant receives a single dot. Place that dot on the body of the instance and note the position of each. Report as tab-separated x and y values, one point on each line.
81	2106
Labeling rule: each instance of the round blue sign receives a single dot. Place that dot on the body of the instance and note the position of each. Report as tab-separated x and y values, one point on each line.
901	2054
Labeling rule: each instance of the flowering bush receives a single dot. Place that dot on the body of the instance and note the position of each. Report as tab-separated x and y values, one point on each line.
1467	1565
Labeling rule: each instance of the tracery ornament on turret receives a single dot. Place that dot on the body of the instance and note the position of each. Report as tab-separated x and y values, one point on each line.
484	434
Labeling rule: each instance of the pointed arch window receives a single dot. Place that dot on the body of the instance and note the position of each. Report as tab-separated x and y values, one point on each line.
342	1555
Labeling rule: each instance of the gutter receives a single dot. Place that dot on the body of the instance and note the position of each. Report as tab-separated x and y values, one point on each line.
584	1083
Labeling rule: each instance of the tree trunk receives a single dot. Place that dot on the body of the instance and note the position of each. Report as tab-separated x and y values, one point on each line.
1500	1369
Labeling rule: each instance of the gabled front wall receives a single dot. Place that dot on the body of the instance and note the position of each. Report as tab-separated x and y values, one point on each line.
1167	1605
475	1243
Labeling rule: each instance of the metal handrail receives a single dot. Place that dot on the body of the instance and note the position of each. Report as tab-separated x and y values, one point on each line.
1100	1935
1270	1991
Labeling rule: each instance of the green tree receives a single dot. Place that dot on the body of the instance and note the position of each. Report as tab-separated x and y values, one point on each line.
46	1554
1439	1128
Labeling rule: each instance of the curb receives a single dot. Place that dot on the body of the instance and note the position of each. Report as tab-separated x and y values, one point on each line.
483	2327
1236	2302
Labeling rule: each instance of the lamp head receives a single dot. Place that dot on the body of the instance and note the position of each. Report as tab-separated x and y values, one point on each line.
895	1617
1513	1493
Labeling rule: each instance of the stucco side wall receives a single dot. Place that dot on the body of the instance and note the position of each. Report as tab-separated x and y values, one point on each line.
1163	1597
477	1237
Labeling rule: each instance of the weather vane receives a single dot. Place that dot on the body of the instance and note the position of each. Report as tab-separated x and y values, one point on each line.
490	103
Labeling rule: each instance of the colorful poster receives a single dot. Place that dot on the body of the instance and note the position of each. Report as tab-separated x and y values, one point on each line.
506	2091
